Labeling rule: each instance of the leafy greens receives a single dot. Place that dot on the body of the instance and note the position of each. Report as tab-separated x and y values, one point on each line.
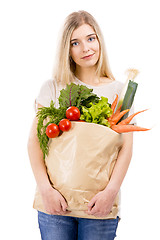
76	95
98	112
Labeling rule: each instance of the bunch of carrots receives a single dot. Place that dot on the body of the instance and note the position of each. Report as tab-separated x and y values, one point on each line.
123	126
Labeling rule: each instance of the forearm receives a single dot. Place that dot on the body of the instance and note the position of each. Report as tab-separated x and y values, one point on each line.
122	164
36	159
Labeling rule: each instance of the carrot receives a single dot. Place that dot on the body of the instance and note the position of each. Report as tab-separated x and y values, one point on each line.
117	111
113	106
128	119
127	128
117	117
115	114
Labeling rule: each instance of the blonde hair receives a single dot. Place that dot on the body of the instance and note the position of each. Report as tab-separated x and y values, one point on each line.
65	66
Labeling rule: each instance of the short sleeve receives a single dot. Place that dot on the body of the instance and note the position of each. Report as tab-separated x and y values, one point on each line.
46	94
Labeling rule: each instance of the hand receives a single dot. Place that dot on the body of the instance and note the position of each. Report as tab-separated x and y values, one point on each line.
54	202
101	204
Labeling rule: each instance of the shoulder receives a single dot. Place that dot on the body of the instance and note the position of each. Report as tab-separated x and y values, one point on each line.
48	83
118	84
46	93
48	86
105	80
111	88
117	87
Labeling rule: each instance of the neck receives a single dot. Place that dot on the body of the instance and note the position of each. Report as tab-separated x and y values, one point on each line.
87	75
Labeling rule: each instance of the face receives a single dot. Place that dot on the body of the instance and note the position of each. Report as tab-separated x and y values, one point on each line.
84	46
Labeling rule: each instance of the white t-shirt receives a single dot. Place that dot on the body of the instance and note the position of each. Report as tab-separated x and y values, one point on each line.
50	90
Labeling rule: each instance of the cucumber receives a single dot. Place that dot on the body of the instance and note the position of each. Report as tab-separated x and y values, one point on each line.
129	97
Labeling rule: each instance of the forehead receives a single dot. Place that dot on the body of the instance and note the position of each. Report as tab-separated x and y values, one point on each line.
82	31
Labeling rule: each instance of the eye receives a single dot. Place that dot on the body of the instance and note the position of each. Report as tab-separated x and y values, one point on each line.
91	39
74	44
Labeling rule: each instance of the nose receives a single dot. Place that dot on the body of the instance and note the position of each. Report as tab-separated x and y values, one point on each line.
85	47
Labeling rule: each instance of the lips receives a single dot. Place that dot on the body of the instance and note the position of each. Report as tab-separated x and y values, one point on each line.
88	56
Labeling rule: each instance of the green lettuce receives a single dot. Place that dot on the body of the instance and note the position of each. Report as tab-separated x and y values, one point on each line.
98	112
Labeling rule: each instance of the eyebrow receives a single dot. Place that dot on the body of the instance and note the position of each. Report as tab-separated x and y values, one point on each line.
75	39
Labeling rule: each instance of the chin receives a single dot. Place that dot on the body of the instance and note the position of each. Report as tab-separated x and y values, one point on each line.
90	63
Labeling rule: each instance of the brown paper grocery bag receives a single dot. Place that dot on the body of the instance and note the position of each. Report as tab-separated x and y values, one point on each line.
79	164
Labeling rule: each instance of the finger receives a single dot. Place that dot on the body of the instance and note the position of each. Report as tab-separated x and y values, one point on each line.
60	211
63	204
91	204
66	212
88	212
92	211
54	212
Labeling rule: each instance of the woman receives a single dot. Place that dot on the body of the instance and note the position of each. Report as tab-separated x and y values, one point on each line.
81	59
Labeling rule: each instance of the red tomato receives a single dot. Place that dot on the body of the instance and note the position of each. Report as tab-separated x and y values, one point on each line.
52	130
64	125
73	113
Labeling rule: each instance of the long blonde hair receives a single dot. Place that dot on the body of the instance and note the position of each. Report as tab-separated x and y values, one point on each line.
65	66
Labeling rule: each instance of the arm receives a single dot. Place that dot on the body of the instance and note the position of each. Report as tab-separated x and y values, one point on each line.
101	204
53	200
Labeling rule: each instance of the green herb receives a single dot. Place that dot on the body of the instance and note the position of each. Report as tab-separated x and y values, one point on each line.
98	112
47	115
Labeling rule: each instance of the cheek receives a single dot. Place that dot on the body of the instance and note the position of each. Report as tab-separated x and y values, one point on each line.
74	52
97	48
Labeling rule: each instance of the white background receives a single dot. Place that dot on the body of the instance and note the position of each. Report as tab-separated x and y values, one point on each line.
28	41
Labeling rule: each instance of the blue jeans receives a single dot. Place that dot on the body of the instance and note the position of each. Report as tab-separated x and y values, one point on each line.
57	227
